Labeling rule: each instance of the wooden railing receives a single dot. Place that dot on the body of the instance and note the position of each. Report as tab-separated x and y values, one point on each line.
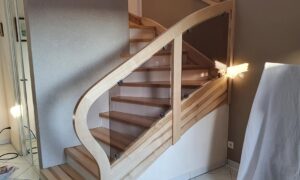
99	88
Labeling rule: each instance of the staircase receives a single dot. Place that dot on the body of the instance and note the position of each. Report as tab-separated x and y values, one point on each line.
149	108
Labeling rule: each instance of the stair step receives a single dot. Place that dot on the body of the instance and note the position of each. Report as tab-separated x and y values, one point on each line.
159	102
164	84
168	68
138	40
59	172
138	120
113	138
138	26
71	172
87	163
160	53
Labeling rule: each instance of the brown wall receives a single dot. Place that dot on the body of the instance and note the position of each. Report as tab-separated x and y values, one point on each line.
265	31
210	37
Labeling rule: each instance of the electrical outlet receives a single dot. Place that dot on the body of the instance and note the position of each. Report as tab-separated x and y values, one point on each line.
230	144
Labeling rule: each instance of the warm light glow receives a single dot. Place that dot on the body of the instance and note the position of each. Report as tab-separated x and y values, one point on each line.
221	67
233	71
16	111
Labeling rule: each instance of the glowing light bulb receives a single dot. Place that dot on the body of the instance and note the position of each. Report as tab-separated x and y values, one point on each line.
16	111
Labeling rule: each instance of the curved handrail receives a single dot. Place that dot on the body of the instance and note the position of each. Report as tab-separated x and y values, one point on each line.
122	71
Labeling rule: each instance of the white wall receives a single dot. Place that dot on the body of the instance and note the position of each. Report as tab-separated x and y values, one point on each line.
73	44
201	148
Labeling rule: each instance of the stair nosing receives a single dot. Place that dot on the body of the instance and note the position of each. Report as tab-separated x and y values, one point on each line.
75	158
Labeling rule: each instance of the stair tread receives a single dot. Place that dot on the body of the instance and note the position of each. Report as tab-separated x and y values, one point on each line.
185	83
48	174
139	26
71	172
168	68
138	120
88	164
160	102
113	138
63	171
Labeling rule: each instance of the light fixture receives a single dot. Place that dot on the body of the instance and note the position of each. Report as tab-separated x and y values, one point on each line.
16	111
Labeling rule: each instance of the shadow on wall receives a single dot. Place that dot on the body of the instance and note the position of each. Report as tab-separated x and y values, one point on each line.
65	91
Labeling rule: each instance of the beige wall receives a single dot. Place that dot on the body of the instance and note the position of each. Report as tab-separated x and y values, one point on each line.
266	31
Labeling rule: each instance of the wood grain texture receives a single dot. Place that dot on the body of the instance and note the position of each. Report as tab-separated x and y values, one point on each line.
112	138
60	173
176	66
47	174
156	132
71	172
122	71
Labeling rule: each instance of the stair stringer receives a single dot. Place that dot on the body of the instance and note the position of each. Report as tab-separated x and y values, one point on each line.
142	153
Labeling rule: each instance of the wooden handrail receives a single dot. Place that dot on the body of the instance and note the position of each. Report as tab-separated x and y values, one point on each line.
122	71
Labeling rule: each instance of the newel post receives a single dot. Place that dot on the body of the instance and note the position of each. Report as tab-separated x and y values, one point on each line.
176	68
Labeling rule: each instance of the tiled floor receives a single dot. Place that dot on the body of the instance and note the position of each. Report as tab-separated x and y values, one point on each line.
24	169
224	173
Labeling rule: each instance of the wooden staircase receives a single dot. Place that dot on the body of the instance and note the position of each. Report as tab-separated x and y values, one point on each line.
139	125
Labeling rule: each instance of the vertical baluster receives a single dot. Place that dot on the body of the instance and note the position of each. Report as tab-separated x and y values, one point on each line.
230	44
176	87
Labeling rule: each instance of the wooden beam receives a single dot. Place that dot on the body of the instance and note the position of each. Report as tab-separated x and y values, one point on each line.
230	45
176	87
210	2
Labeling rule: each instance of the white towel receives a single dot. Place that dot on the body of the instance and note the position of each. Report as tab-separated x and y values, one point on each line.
271	148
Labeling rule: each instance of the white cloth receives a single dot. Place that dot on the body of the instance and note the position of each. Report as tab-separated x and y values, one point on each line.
271	148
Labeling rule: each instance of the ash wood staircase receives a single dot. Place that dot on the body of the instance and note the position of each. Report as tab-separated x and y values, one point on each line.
158	117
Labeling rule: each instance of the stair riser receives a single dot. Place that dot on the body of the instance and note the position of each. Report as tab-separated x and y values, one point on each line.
123	127
81	170
137	46
150	92
142	33
147	76
163	61
138	109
